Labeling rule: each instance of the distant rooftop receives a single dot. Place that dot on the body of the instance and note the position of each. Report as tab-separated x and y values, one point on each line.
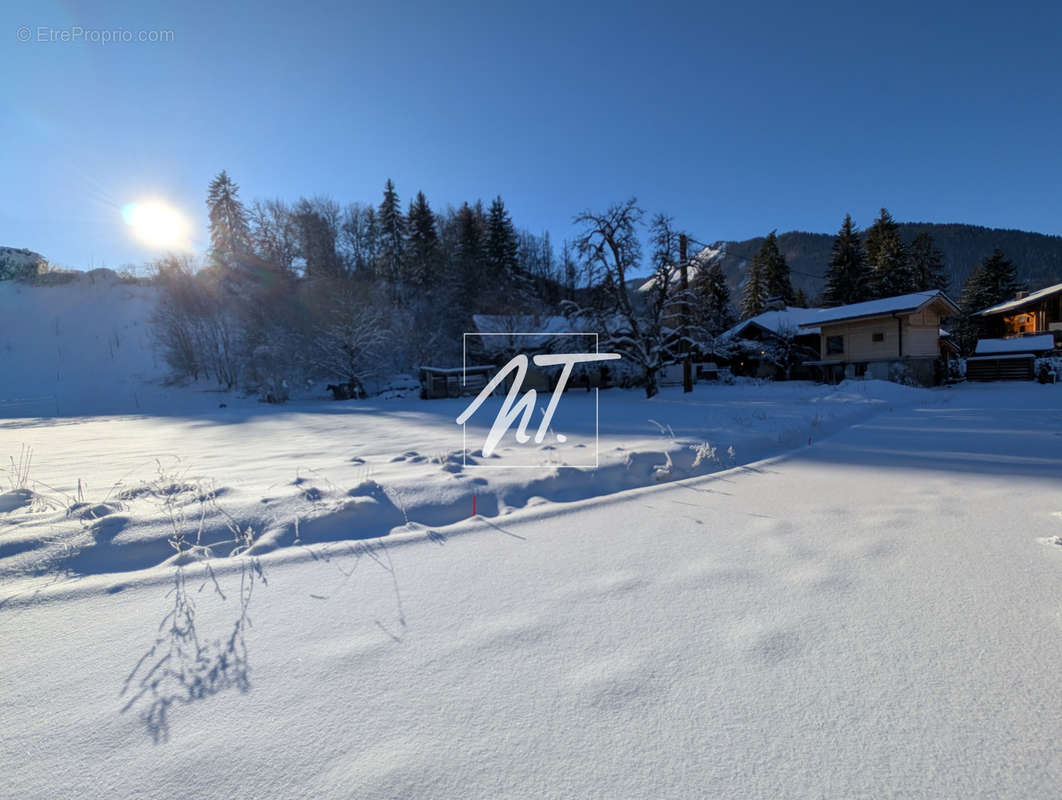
1020	302
1024	344
776	321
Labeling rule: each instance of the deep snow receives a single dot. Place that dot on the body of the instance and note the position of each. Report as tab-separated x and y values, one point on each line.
877	614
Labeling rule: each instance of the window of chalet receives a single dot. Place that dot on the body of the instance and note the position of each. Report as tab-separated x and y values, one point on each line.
834	345
878	336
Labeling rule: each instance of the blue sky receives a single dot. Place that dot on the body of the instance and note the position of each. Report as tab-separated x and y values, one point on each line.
734	118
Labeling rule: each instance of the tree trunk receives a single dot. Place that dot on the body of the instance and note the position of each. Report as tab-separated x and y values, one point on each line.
651	389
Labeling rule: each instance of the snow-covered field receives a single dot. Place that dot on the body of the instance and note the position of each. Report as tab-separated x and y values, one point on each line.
762	590
103	494
876	614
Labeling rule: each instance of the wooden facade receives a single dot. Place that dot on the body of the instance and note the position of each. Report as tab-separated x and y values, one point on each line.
1025	315
877	337
916	335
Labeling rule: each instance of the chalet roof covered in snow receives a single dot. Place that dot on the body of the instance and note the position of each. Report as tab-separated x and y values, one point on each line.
1024	344
904	303
1016	303
776	322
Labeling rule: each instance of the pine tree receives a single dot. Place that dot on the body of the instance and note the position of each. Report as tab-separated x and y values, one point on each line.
469	258
883	228
975	297
230	234
992	281
801	299
713	298
976	294
927	264
392	227
893	275
501	244
423	254
890	268
754	293
847	276
999	278
371	240
775	270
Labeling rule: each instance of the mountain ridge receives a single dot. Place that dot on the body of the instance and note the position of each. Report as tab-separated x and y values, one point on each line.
1037	256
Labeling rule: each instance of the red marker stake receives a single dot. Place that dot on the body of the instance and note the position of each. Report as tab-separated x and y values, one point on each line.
473	505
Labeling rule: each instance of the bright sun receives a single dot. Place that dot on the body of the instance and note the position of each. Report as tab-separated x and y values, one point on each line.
157	224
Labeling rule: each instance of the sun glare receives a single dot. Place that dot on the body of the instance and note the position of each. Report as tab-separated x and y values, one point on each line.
157	224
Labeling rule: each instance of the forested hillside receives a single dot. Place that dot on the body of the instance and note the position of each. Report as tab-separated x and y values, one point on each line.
1037	256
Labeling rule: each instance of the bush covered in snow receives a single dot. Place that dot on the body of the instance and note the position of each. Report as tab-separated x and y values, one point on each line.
1048	369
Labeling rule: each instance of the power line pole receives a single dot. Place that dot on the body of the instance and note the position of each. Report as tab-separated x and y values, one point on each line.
687	366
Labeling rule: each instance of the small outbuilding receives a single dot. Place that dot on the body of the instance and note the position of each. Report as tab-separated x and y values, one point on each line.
1008	359
437	382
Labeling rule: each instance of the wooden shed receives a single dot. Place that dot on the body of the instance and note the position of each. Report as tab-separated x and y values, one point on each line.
436	382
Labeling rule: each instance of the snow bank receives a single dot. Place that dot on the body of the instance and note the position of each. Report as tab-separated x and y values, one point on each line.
110	491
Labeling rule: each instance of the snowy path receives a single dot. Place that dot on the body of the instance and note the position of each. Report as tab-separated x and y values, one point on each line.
875	615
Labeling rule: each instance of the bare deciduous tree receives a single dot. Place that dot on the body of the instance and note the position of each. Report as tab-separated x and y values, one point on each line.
644	327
